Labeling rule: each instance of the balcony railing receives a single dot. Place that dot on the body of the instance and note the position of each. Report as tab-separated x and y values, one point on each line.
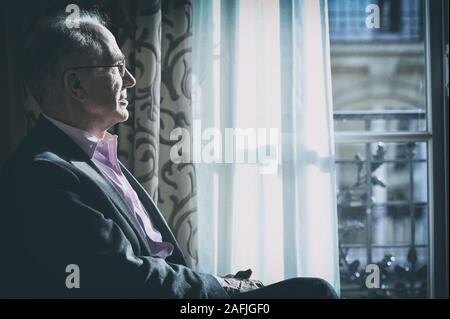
404	264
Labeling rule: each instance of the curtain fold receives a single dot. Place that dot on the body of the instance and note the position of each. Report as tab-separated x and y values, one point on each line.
271	71
312	144
178	184
202	75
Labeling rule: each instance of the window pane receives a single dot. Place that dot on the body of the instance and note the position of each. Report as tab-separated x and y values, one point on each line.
383	217
398	277
378	74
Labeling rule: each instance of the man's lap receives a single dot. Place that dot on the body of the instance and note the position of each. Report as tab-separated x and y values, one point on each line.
295	288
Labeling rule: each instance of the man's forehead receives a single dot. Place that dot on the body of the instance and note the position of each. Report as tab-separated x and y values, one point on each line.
109	40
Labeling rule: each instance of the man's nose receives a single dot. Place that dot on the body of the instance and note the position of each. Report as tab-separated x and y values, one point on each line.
128	80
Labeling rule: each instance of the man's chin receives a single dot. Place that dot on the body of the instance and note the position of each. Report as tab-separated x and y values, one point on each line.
122	115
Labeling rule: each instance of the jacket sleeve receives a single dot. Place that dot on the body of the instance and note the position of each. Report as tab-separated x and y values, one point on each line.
62	229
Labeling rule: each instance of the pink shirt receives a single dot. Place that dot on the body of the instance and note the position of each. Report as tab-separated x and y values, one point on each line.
103	153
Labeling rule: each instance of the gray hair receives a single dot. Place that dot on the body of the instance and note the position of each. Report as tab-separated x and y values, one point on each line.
53	47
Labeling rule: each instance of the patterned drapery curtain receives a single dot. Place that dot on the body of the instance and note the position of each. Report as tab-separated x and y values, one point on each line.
155	37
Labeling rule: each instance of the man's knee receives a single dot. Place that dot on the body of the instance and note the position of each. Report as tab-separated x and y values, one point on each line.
324	289
312	288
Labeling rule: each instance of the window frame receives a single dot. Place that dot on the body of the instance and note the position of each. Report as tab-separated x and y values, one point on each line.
437	44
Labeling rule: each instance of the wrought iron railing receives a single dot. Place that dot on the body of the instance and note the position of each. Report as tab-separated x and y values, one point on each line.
404	266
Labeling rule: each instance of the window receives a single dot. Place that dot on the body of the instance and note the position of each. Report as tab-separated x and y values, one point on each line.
383	139
383	132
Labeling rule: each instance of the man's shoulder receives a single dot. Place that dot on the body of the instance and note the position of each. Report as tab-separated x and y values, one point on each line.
45	142
31	170
31	150
34	158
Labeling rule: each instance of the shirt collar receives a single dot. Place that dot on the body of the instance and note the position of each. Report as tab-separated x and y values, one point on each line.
87	141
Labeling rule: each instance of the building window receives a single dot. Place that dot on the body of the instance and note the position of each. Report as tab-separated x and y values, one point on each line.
382	140
400	20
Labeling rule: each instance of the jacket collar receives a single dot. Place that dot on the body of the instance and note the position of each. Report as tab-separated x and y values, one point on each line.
53	138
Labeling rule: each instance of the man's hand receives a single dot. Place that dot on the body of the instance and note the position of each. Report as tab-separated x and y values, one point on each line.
243	274
240	282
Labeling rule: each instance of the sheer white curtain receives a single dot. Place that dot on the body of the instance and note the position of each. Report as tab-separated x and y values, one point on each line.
262	67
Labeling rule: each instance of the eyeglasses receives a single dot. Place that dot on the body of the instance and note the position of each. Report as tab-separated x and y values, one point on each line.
120	65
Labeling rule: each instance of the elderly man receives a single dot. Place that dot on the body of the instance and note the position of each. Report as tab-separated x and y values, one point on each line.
74	221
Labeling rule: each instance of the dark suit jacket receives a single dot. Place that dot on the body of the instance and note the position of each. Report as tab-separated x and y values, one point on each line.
58	209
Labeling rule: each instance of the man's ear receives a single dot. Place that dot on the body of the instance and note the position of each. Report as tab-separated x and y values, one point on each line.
75	86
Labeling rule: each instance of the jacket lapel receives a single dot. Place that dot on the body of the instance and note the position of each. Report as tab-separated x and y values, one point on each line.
155	216
89	168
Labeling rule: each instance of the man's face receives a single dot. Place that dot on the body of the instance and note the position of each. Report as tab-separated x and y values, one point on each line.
106	88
